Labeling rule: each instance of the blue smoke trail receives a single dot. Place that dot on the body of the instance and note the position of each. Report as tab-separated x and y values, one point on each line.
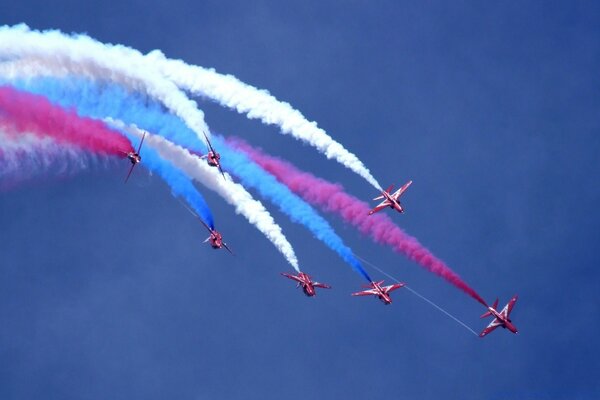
252	175
104	99
99	104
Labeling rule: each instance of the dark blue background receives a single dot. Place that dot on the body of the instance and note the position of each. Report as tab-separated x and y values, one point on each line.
106	290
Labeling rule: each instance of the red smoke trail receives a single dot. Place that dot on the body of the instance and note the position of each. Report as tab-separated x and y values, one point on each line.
26	160
332	198
31	113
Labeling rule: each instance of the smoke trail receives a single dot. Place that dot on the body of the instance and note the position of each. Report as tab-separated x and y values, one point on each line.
228	91
109	99
332	197
180	184
232	192
35	114
27	157
103	101
112	62
299	211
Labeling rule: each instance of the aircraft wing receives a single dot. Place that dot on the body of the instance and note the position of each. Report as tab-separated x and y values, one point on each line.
493	325
227	247
386	190
400	191
380	207
370	292
321	285
221	171
290	276
129	173
200	219
208	142
508	307
141	141
393	287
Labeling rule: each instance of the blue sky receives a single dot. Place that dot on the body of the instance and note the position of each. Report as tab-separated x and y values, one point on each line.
106	290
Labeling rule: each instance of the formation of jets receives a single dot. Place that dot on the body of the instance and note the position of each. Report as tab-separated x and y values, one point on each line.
304	281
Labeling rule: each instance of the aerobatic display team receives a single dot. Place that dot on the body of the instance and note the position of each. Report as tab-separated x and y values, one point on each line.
69	99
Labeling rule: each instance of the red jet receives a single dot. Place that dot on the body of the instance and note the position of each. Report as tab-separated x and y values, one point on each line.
308	285
215	239
134	157
382	292
213	158
501	318
390	200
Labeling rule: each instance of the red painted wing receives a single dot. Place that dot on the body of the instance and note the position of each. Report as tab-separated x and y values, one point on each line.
292	277
493	325
227	247
370	292
142	141
208	143
222	173
321	285
391	288
380	207
387	191
129	173
400	191
508	308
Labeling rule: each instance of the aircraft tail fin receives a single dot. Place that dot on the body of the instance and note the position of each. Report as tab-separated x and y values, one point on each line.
489	313
388	191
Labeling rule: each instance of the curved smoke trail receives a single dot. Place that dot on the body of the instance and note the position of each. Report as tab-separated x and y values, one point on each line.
112	101
233	193
297	209
131	109
80	53
229	91
180	184
332	197
27	157
225	89
35	114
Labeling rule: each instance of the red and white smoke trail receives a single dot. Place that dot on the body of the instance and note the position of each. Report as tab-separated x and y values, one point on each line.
230	92
331	197
26	112
28	158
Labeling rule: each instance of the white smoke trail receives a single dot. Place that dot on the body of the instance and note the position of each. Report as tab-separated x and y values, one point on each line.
229	91
233	193
27	156
82	54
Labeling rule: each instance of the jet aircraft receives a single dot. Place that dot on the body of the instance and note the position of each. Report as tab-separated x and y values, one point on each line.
213	158
308	285
382	292
501	318
215	239
134	157
390	200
